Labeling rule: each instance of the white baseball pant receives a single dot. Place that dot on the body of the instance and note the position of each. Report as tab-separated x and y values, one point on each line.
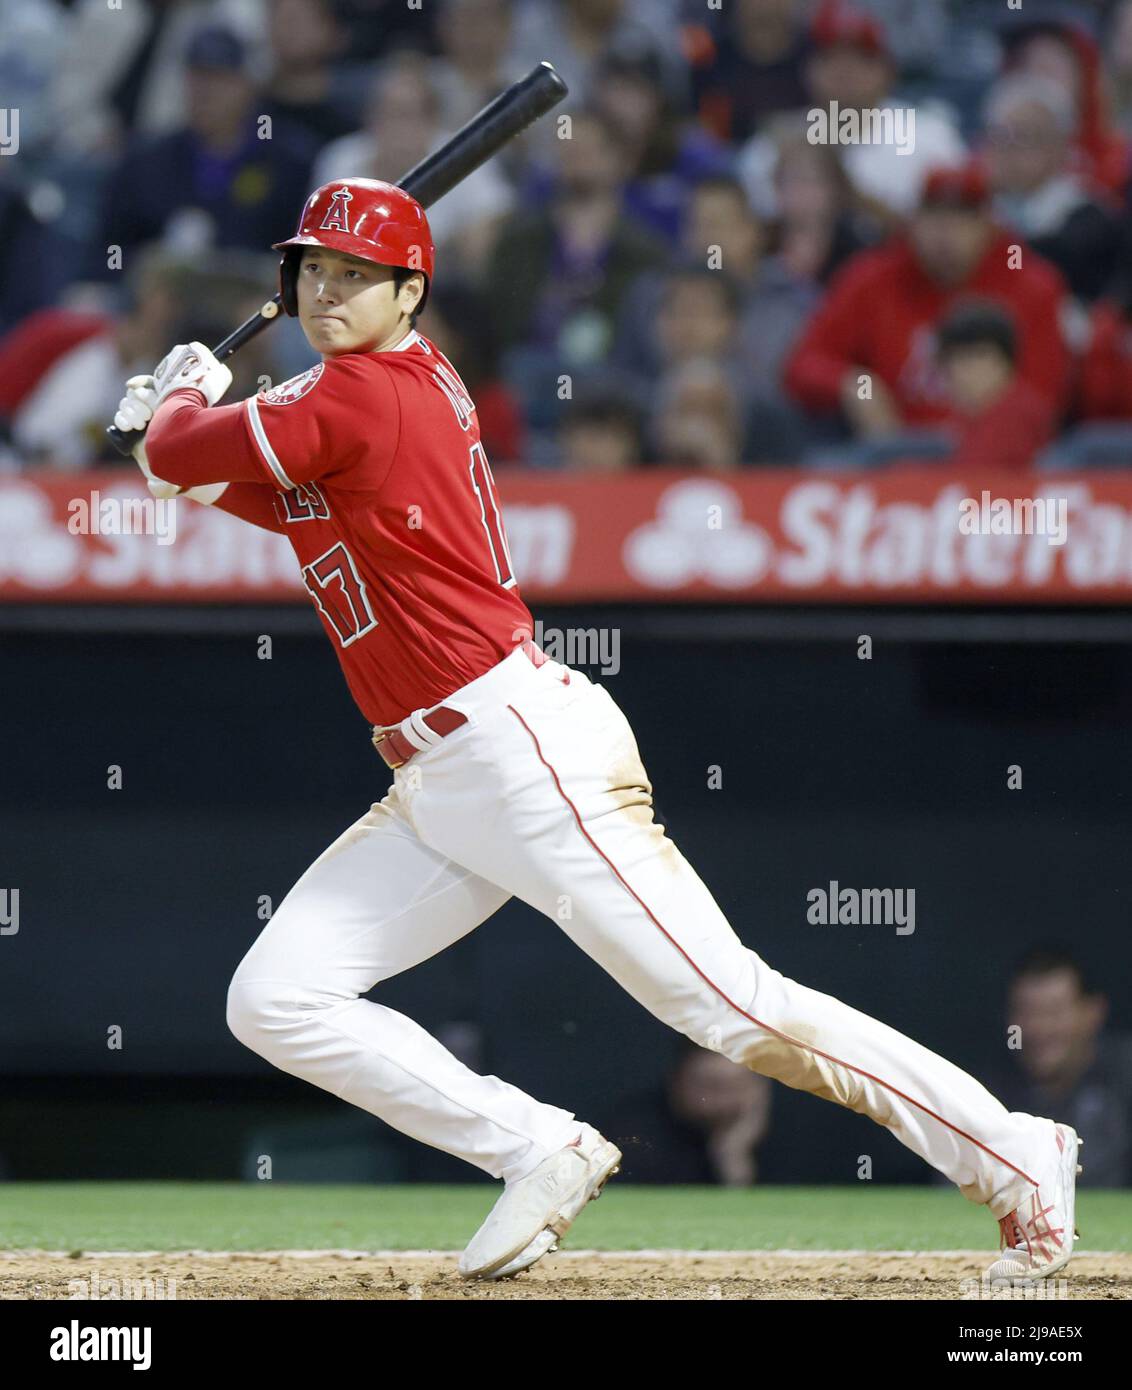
541	795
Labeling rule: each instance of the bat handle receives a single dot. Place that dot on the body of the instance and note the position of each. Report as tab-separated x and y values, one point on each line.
125	441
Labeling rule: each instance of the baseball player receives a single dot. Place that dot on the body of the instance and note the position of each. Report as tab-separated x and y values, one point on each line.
512	775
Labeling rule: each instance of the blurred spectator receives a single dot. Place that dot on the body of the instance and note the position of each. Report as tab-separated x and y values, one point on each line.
1001	421
575	35
601	433
458	321
852	66
731	301
917	29
1118	50
310	86
378	28
751	66
814	223
32	38
697	315
1065	53
1105	376
29	350
557	276
869	349
122	72
61	419
402	128
664	157
1030	124
705	1125
699	418
34	269
476	62
722	236
1067	1066
216	182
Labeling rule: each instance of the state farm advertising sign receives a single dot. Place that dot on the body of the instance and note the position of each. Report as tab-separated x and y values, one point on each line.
904	536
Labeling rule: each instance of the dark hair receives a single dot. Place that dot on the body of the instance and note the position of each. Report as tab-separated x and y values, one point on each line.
660	153
597	115
1050	959
978	325
723	183
718	279
604	408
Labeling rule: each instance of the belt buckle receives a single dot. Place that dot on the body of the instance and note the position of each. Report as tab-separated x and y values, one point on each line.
378	740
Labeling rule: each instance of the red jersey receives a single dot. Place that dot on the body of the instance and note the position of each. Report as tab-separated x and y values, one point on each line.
371	465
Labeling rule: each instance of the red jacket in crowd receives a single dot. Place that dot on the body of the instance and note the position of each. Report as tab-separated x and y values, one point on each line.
881	313
1105	390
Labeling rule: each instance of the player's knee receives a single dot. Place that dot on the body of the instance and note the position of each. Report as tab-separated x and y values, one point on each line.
256	1009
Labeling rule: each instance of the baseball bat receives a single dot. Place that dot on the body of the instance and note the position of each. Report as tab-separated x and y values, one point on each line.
486	133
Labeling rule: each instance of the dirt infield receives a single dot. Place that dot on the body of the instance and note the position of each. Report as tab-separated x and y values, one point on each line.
567	1275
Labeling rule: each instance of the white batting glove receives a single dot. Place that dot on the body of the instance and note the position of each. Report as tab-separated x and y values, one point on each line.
135	409
191	364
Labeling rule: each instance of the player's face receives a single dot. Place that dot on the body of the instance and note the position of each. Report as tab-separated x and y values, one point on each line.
350	305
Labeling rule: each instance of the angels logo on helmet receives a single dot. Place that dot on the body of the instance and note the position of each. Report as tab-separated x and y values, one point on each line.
288	392
337	214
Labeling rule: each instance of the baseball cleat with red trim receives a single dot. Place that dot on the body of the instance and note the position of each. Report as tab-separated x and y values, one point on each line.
534	1212
1037	1236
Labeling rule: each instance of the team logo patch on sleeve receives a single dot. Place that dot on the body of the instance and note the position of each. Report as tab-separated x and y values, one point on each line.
288	392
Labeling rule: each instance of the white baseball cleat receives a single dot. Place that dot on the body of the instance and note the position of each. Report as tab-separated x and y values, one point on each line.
533	1212
545	1243
1038	1235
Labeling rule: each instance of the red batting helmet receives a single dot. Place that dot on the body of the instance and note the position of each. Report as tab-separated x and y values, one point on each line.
362	217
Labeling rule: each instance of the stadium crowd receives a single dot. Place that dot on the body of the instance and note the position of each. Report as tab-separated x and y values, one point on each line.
683	272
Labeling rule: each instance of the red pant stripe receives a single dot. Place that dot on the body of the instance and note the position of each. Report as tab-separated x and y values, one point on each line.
730	1002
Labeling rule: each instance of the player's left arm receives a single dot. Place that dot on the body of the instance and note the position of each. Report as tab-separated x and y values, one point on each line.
253	502
305	430
188	444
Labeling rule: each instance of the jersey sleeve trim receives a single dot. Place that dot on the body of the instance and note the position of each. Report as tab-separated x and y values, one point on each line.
259	434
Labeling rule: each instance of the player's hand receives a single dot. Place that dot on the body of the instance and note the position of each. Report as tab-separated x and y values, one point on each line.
191	364
135	409
875	416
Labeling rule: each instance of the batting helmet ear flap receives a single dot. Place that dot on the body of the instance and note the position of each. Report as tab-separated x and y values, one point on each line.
288	280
